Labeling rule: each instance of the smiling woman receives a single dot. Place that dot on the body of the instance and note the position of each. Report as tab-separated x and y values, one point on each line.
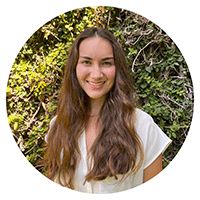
99	142
96	68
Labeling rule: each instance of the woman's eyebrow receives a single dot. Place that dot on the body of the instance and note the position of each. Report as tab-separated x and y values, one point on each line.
108	58
86	57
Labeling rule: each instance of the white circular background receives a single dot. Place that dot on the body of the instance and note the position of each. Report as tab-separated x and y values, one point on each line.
20	19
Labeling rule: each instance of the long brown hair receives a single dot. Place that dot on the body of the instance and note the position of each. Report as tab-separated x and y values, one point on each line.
117	148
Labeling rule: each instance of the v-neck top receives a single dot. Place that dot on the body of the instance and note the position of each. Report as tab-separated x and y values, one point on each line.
154	142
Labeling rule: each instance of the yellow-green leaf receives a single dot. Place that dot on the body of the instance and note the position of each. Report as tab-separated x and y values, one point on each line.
15	125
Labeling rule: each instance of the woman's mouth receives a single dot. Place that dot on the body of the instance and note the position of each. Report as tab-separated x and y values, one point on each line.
96	85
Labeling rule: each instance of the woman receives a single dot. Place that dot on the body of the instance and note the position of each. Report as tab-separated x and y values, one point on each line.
99	142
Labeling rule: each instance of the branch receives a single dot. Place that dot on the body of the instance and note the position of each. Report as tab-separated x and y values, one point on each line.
109	18
137	40
20	142
168	98
165	103
31	121
140	52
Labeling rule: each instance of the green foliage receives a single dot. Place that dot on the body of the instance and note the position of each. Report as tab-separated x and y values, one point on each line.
162	79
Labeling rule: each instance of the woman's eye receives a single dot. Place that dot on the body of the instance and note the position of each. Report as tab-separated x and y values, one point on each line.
106	63
86	62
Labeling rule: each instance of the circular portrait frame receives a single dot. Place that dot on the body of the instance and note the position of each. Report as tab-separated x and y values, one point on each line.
17	123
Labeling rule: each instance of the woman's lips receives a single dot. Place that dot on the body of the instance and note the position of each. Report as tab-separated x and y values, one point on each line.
96	85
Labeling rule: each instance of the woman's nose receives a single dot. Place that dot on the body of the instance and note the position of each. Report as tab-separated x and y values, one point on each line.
96	72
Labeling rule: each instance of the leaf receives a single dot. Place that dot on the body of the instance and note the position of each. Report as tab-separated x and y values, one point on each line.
173	134
15	125
148	69
180	59
144	85
180	82
176	63
143	95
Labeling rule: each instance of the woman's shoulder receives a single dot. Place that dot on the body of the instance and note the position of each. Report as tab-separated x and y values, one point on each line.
142	116
50	125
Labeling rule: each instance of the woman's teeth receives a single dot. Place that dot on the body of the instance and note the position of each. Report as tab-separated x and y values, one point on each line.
96	84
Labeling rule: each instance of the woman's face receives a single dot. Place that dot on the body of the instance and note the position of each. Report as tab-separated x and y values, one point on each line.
95	69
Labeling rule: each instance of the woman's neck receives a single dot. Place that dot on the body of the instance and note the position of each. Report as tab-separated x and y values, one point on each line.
95	107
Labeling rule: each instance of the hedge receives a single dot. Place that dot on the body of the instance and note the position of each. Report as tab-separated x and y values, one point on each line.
162	79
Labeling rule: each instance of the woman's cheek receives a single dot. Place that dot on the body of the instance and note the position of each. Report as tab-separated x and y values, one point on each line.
81	72
110	72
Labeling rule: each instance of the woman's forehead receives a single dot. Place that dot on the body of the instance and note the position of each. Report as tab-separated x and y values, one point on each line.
95	46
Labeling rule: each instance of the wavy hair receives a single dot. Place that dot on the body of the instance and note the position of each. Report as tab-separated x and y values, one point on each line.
117	148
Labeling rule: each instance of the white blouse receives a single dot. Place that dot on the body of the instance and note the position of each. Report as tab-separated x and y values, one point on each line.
154	143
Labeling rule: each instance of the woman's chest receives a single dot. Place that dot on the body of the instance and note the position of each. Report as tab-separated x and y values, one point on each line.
108	185
91	132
